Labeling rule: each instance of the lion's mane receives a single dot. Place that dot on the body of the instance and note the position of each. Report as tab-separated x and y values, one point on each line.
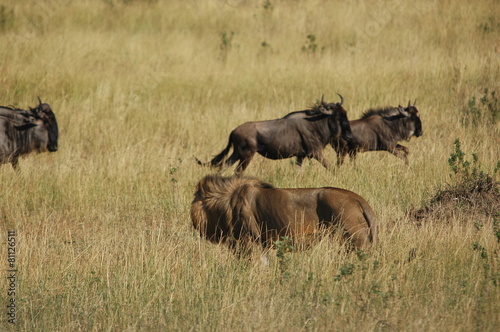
221	209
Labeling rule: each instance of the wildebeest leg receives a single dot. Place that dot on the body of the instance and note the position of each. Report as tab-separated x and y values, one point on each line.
319	157
340	158
342	149
242	166
235	156
401	152
15	163
246	158
352	156
298	162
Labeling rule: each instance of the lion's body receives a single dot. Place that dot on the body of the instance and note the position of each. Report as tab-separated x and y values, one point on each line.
237	208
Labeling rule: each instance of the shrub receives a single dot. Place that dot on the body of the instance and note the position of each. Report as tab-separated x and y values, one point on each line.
284	247
473	191
6	18
469	175
226	43
486	110
311	45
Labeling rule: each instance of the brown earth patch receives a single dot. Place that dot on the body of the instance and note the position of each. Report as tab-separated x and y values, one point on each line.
478	198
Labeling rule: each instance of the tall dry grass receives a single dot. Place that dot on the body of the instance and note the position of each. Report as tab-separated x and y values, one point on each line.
139	88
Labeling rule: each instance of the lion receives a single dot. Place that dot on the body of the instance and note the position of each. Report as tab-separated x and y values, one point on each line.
243	210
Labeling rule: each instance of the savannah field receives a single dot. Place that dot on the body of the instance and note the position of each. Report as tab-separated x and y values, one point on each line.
101	229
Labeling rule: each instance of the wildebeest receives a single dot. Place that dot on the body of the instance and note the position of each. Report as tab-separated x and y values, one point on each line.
239	210
301	134
381	130
25	131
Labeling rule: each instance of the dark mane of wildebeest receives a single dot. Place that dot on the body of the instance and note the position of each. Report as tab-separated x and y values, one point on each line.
301	134
25	131
381	130
238	211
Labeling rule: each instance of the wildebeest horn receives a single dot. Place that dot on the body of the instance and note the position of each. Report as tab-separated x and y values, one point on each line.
341	99
322	99
409	103
40	100
414	103
403	112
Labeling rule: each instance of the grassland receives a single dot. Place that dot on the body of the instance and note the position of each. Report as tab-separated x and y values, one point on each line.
103	236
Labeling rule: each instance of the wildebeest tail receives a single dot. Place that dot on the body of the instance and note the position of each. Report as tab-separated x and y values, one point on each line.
218	159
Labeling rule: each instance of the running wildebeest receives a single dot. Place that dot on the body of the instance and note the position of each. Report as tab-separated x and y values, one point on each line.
239	210
22	132
381	130
301	134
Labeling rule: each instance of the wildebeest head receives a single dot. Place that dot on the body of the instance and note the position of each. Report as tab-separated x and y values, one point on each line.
46	131
414	123
338	118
